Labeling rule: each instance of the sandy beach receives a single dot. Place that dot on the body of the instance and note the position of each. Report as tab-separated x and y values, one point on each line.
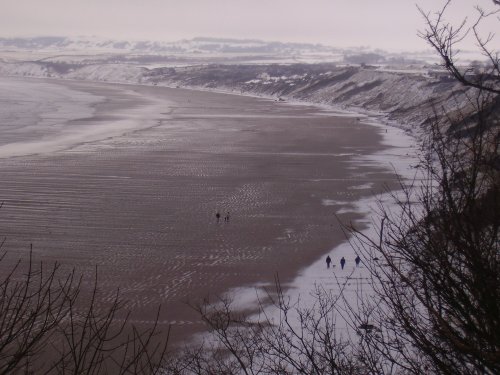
132	187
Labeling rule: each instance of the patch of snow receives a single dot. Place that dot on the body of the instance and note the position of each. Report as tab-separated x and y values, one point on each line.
368	185
333	202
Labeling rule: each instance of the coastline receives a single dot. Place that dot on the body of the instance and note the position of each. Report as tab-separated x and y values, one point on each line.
354	282
282	229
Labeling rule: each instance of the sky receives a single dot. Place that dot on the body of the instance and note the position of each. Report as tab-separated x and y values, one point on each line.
387	24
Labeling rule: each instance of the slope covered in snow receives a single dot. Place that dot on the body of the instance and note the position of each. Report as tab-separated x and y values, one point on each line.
406	96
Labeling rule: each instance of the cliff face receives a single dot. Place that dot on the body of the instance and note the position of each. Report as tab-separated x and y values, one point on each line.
406	98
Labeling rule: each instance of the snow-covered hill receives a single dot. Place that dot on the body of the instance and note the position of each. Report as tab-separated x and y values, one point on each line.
206	50
187	46
404	97
407	97
401	87
358	78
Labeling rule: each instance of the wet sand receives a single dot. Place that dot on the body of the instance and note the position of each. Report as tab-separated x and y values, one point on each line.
141	206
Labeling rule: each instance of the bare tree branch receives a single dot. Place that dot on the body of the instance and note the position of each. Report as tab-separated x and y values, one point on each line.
446	39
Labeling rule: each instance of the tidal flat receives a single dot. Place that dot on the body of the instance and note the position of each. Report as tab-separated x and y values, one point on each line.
125	181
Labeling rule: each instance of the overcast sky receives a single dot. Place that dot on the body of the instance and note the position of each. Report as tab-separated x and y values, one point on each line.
387	24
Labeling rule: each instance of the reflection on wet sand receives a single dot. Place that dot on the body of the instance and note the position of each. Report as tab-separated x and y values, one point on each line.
140	204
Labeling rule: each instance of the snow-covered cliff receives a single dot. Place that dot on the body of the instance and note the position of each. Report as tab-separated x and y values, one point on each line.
406	97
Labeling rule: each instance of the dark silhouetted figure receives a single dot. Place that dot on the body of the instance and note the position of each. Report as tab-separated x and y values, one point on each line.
357	260
217	216
342	262
226	219
328	261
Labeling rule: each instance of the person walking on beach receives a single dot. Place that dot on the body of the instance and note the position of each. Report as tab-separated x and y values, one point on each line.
217	216
328	261
226	219
342	262
357	260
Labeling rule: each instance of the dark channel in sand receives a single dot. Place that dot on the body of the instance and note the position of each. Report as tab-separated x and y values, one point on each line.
142	206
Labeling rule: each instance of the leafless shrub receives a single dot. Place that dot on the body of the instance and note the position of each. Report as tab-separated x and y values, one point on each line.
296	340
48	327
438	294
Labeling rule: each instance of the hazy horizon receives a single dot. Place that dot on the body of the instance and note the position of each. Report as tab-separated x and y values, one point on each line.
390	25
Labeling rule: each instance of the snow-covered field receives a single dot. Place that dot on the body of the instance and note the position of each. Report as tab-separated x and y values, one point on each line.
202	48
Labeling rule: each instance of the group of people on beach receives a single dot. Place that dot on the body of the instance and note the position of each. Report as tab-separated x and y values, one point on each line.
357	260
218	216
